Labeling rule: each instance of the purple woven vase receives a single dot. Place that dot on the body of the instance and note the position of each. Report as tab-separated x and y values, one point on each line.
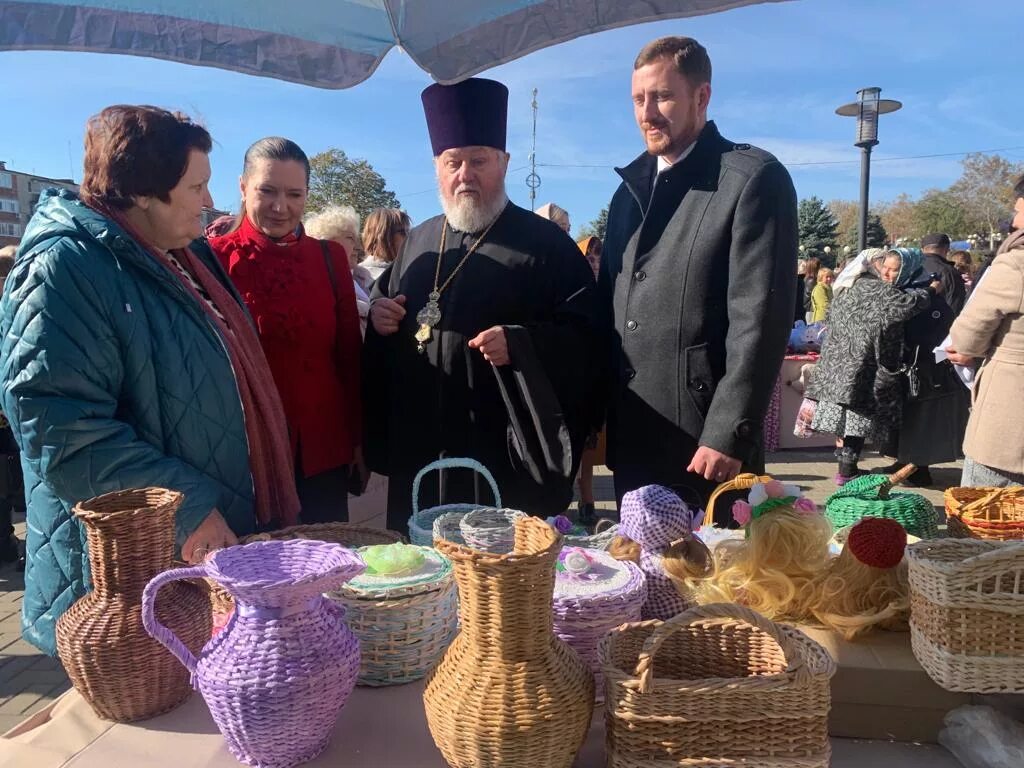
278	675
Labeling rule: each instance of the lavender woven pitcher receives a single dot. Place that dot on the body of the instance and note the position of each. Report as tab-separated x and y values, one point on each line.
278	675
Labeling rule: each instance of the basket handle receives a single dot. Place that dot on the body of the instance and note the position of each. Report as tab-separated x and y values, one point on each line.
896	478
990	497
603	524
645	665
157	630
441	464
741	482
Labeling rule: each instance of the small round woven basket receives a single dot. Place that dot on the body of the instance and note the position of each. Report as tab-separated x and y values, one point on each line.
421	524
587	606
985	513
404	622
490	530
716	685
605	531
869	496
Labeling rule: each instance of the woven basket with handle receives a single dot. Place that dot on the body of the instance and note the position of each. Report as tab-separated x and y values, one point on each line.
986	513
716	685
871	496
421	524
967	613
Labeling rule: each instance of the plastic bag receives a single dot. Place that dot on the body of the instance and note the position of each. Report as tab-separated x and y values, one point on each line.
983	737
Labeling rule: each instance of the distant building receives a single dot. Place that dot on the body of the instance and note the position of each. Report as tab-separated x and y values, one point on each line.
212	214
19	195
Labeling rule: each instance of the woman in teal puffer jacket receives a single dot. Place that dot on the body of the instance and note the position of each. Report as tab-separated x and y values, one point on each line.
127	360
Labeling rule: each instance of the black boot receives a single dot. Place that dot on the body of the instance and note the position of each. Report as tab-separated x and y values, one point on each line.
586	516
847	466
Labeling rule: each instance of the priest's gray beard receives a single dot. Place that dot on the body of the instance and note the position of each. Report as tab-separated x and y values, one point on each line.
469	213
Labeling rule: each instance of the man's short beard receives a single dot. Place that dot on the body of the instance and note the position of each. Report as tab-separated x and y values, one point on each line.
470	213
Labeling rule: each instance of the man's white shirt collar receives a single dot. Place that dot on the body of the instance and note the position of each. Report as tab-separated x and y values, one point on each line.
664	164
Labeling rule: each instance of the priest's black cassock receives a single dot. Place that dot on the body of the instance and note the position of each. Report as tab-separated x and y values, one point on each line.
445	401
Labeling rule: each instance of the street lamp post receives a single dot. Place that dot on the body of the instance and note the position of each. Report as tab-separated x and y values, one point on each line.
866	109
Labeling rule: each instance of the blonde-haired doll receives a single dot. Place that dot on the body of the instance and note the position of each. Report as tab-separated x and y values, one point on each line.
771	570
866	586
657	532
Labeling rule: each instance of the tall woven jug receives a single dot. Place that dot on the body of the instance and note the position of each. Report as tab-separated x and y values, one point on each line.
508	691
112	661
279	673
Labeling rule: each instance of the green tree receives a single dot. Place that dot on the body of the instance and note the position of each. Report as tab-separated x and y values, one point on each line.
985	192
337	179
817	226
941	210
597	227
877	236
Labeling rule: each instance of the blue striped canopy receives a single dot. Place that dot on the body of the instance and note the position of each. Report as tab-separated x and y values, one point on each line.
327	43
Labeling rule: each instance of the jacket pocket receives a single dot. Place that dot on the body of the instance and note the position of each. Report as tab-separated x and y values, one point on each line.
698	379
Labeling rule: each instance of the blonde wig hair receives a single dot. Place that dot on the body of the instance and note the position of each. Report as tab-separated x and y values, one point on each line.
332	222
379	231
773	569
851	596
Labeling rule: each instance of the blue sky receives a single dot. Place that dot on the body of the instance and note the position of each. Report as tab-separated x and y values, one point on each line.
779	72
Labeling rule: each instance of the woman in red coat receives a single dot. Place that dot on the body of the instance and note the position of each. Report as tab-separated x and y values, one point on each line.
299	292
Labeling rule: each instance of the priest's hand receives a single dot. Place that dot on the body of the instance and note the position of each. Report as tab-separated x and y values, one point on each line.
714	465
386	314
212	534
492	345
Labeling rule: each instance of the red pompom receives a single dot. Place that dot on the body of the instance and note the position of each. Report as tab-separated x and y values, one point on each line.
877	542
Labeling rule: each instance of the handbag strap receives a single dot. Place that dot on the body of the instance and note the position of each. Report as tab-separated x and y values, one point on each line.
330	269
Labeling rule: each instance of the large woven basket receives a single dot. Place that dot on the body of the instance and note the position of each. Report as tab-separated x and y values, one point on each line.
967	613
717	685
421	524
986	513
404	623
870	496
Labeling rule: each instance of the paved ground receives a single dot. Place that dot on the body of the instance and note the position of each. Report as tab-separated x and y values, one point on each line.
30	680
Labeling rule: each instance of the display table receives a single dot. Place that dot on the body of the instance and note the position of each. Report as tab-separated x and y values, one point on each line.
378	728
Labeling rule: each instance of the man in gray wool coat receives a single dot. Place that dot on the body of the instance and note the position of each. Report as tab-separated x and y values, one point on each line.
696	286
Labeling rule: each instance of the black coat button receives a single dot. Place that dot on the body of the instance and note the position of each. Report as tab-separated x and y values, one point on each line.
699	386
640	276
631	325
630	374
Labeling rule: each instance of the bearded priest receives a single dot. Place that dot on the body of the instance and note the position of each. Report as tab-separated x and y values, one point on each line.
481	342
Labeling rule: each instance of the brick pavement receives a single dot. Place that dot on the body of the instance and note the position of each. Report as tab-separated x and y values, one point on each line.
29	680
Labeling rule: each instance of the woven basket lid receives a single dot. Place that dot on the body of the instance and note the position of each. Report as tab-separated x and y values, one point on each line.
607	577
434	573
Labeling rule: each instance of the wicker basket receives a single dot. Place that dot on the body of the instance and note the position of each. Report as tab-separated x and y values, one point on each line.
115	665
508	691
490	530
717	685
404	623
742	482
986	513
870	496
421	524
604	532
967	613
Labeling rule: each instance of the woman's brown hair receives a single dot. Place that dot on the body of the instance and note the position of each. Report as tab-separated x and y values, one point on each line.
379	230
137	151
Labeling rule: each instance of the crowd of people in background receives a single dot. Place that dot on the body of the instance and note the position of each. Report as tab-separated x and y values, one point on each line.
287	363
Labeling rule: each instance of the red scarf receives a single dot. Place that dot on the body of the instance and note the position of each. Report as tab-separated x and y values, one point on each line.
270	456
